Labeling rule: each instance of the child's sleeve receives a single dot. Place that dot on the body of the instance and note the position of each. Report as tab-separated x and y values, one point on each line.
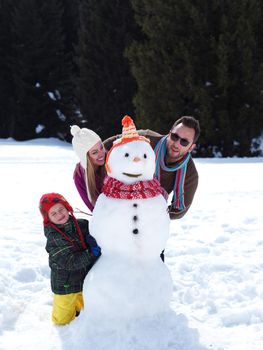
89	239
64	255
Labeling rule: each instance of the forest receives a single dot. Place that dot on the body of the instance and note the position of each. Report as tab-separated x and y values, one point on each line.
90	62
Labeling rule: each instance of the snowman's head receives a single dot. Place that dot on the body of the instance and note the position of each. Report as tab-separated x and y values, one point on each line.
132	162
131	158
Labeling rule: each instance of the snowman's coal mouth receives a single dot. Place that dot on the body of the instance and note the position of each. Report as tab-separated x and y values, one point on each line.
132	175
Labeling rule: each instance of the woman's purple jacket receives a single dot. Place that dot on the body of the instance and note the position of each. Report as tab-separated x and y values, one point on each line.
79	177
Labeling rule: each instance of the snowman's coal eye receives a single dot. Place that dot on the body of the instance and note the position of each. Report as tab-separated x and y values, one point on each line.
145	155
126	155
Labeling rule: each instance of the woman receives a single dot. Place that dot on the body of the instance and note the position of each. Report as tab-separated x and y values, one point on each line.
90	172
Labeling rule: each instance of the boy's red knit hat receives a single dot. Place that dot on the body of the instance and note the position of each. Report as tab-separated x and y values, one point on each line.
48	200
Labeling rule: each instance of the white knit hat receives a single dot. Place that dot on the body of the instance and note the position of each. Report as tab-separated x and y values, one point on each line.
83	140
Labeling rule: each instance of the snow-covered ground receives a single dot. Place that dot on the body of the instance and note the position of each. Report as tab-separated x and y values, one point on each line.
214	253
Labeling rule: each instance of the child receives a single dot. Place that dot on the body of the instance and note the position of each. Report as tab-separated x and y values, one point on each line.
72	252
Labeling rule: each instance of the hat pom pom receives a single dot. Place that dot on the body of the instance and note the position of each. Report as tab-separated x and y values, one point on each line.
126	121
75	129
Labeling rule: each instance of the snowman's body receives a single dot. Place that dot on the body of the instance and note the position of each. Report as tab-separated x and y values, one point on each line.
129	280
137	229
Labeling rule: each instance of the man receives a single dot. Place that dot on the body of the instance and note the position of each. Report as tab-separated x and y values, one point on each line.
175	168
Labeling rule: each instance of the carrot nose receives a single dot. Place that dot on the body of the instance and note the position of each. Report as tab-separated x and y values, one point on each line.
136	159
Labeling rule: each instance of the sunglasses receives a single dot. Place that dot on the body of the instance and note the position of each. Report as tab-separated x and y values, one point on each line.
175	137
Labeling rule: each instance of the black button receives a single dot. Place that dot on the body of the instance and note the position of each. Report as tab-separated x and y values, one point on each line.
135	231
135	218
135	205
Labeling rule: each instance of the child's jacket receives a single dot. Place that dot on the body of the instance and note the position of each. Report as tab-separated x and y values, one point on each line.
69	262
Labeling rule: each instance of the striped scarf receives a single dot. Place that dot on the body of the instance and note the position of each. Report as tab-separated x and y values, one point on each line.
139	190
179	169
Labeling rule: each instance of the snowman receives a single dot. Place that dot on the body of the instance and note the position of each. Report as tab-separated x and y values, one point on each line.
131	224
128	291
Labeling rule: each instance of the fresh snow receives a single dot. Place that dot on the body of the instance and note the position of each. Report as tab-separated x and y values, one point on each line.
214	253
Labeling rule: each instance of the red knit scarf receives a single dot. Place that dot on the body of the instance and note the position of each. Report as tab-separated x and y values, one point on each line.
139	190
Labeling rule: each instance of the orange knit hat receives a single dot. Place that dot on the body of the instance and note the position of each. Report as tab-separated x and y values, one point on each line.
129	134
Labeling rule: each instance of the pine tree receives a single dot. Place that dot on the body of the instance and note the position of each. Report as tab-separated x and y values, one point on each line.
70	24
41	71
237	92
164	63
105	86
201	58
6	83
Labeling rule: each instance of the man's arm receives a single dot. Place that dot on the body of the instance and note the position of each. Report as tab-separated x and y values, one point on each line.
109	141
147	133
